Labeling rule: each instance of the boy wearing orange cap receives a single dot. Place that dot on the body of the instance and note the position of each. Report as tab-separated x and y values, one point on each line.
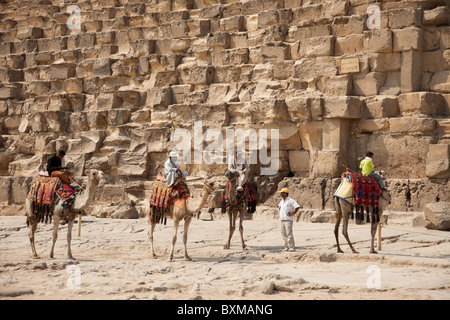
288	207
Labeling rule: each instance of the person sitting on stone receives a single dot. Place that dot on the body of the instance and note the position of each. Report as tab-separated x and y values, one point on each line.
239	165
367	166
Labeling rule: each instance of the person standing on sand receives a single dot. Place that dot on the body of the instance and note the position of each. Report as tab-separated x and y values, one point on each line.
288	207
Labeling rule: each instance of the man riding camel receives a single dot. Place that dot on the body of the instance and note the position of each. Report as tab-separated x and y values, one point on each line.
56	170
239	165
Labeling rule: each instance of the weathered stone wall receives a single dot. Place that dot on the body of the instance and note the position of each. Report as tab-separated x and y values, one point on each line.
112	92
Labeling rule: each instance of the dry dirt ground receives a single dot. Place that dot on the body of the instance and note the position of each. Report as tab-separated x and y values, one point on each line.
113	263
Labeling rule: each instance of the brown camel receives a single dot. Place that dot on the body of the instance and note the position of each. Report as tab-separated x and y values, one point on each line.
235	208
81	202
344	210
179	212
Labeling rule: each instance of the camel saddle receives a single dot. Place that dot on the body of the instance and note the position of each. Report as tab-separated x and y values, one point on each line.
359	190
163	196
43	194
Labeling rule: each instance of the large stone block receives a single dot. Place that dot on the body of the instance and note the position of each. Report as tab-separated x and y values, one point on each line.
317	47
438	213
407	39
368	84
438	16
343	107
440	82
411	71
412	125
378	40
438	161
421	103
298	161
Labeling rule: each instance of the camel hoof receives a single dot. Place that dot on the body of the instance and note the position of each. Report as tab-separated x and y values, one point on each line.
373	251
36	256
226	247
187	259
340	251
355	252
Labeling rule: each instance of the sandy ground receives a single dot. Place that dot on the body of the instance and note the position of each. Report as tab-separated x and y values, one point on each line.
113	263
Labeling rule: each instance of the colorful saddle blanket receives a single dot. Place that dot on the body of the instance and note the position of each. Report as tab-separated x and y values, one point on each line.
240	197
359	190
43	196
162	196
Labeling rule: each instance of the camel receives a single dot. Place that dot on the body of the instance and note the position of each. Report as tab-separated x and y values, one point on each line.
81	202
234	209
344	210
179	212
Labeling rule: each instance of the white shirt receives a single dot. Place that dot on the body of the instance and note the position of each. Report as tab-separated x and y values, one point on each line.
286	206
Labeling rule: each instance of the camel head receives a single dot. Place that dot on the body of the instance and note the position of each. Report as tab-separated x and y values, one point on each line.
210	185
231	175
96	175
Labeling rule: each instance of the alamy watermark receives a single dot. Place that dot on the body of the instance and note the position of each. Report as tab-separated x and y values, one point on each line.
74	280
221	147
74	20
374	280
373	17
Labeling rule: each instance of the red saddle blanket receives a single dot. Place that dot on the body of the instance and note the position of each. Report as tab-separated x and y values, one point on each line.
43	194
248	192
366	190
162	196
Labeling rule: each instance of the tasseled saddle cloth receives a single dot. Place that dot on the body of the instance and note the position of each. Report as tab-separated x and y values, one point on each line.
43	196
240	197
163	196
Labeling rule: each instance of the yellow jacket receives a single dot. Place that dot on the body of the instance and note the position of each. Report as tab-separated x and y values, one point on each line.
366	166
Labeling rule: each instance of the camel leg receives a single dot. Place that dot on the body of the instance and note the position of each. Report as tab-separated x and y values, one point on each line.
33	227
69	238
187	221
345	233
152	224
232	218
338	222
176	222
55	232
241	227
373	229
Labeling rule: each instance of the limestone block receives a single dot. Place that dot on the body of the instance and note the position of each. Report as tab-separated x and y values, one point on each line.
407	39
308	69
405	17
275	52
199	27
412	125
201	75
343	107
368	84
373	125
317	46
344	26
411	71
349	45
296	33
438	161
117	117
5	189
11	75
219	40
440	82
133	164
425	103
336	85
298	108
385	62
382	107
10	91
378	40
438	213
19	189
25	167
298	160
6	157
437	16
89	142
307	12
327	164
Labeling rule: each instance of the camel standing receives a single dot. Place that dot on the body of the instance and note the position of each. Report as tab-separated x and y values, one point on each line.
344	210
178	213
81	202
235	208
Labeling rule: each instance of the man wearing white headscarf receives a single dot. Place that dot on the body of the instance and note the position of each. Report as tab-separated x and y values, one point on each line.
171	169
239	164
